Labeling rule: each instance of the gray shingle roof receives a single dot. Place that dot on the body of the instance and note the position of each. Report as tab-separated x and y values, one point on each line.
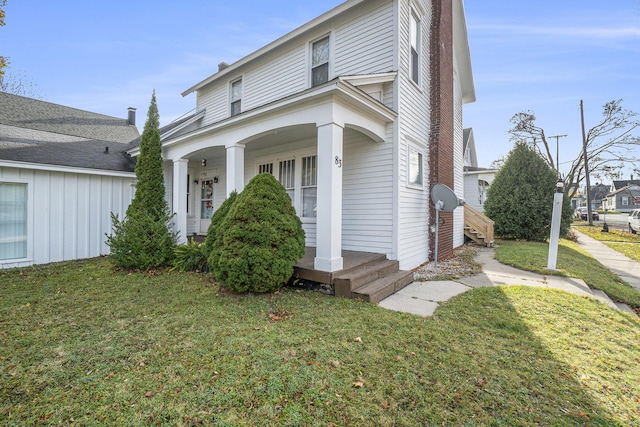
34	131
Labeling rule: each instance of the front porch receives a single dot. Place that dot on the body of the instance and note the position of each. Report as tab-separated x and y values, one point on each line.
369	276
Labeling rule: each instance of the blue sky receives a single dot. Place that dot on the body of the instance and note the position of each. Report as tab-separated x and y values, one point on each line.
541	56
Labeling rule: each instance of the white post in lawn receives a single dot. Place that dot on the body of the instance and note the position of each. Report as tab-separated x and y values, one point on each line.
555	226
329	214
180	175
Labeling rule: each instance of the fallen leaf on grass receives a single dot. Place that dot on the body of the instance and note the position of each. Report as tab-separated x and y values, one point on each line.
148	394
358	384
357	339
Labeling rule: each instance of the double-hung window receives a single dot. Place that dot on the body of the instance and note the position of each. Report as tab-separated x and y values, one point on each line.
13	221
320	61
309	186
415	167
414	35
236	97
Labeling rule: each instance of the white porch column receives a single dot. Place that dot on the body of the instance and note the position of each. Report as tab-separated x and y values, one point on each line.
329	214
180	198
235	168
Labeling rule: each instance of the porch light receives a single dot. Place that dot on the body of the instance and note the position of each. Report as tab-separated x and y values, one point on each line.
204	163
215	179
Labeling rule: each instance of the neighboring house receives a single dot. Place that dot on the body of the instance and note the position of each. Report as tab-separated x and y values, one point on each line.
598	193
624	199
476	179
62	172
358	113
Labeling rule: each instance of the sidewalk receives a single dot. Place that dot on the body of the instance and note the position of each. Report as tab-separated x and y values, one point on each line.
422	298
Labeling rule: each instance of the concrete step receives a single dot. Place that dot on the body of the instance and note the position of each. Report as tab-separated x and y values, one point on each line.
600	295
381	288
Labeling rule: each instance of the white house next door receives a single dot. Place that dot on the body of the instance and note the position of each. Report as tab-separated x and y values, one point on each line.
206	205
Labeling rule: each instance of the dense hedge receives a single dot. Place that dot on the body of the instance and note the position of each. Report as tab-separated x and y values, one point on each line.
520	199
262	238
214	233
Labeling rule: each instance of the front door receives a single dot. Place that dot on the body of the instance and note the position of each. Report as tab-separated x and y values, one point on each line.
206	205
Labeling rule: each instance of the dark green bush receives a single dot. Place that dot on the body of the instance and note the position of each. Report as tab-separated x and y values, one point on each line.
520	199
141	241
214	233
262	238
189	257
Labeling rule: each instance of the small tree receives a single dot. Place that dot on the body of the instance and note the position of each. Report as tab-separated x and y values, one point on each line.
520	199
262	238
144	238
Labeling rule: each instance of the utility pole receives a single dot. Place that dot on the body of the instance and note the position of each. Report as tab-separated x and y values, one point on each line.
586	164
557	137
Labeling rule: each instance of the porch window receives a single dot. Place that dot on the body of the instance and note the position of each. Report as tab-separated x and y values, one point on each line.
309	186
265	168
287	176
320	62
415	167
414	34
13	221
236	97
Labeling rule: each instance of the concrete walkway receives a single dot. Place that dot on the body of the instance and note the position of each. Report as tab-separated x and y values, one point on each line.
422	298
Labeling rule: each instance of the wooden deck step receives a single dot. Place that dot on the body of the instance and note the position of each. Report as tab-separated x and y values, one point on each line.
345	283
383	287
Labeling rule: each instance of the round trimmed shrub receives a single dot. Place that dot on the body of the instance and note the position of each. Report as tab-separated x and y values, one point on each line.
262	238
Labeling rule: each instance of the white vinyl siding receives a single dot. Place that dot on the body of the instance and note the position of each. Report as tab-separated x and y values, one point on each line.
458	160
365	45
367	207
362	45
414	130
69	213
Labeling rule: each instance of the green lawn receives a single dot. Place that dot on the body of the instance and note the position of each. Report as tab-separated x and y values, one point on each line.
572	261
621	241
80	343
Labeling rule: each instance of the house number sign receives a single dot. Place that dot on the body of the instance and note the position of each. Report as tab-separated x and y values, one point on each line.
338	162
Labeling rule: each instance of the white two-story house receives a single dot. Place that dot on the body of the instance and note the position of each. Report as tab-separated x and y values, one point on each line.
358	113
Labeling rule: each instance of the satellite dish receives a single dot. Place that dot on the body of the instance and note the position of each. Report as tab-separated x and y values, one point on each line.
444	198
446	201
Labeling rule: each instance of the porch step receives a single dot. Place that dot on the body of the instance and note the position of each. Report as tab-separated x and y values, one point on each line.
373	281
379	289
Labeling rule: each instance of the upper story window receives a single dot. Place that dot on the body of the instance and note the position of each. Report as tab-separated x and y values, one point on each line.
414	34
320	61
415	170
236	97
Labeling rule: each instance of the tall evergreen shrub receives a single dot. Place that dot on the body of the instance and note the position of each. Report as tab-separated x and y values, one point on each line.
144	239
213	241
520	199
262	238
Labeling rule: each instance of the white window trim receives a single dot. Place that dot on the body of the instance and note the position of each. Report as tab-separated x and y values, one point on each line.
415	13
230	95
413	146
30	224
310	58
296	155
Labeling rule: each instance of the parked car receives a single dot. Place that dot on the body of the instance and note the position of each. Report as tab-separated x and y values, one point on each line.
578	212
634	221
594	215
